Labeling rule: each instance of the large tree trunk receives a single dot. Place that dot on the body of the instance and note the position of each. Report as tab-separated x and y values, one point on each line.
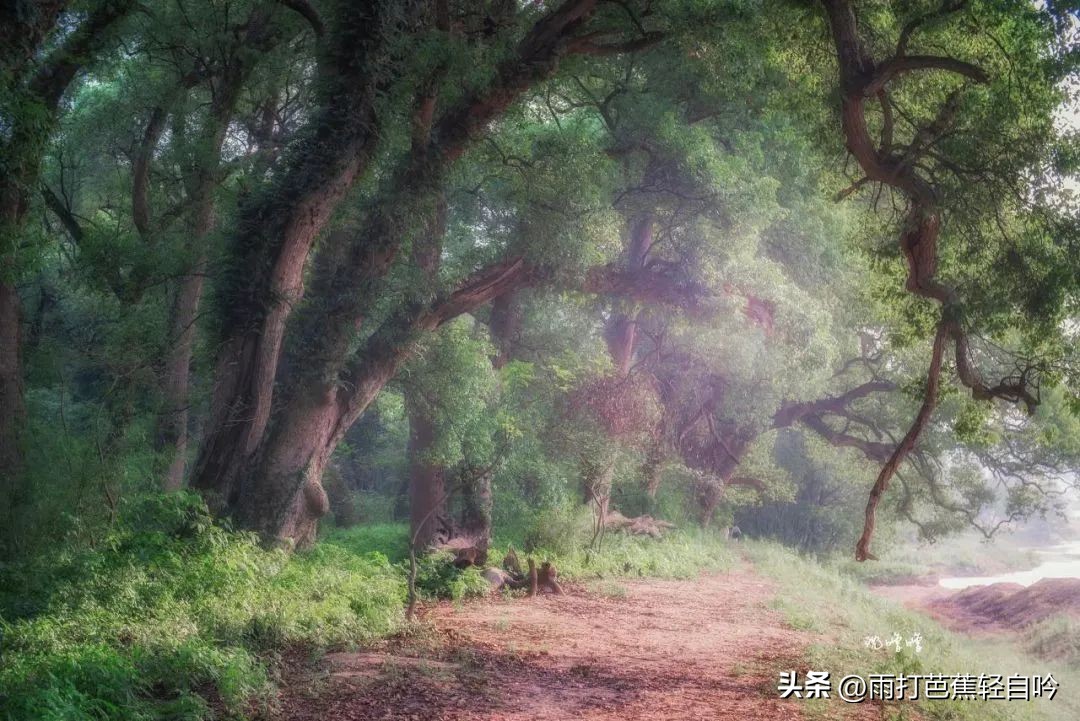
275	234
12	410
282	496
339	494
13	204
505	327
172	434
652	469
313	422
23	29
289	499
202	176
428	519
476	503
326	393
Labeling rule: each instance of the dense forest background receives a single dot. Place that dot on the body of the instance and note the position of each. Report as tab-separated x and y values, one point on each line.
502	269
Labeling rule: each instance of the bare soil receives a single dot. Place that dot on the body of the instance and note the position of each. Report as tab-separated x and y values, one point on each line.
708	648
992	609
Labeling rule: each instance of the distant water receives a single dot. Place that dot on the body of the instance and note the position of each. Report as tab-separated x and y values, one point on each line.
1061	561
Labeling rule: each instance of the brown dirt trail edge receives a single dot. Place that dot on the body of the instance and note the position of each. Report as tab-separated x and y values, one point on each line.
708	648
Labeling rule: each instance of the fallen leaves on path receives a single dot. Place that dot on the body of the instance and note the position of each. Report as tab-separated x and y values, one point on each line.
708	648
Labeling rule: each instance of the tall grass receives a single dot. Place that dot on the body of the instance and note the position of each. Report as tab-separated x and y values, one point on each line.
389	539
170	615
963	555
682	553
679	554
817	597
1056	638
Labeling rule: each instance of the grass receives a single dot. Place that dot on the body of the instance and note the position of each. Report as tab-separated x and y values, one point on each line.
1055	638
818	598
608	589
171	616
682	553
389	539
964	555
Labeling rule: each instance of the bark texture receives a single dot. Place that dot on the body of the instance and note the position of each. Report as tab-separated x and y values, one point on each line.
11	396
505	327
428	518
332	390
202	174
476	502
275	234
862	79
173	424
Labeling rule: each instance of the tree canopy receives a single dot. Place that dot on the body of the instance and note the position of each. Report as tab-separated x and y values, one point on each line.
696	258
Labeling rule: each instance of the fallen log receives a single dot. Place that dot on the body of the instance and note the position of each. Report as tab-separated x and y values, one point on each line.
644	525
468	551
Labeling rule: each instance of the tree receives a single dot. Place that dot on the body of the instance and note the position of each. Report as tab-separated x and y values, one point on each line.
911	166
277	227
37	69
611	245
280	494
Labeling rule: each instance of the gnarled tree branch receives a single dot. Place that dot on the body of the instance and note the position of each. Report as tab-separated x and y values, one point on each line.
860	79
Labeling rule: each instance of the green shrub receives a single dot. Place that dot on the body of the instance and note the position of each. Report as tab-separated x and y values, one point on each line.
171	609
389	539
682	553
1055	638
373	507
559	529
437	577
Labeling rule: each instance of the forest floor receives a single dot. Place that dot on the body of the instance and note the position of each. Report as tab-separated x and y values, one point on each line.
707	648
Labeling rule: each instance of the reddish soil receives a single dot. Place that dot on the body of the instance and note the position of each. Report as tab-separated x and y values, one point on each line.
709	648
993	609
1008	605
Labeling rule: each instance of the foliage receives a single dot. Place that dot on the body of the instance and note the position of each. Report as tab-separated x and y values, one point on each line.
822	515
452	382
772	281
389	539
438	578
679	554
169	612
1057	637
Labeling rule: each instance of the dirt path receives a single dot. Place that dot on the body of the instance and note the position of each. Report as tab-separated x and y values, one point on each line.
708	648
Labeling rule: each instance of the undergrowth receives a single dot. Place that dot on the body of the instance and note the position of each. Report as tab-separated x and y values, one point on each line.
963	555
845	614
170	615
682	553
679	554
